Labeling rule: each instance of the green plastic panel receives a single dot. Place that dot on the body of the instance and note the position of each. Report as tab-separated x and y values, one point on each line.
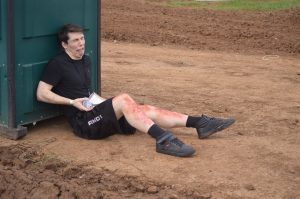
36	25
3	65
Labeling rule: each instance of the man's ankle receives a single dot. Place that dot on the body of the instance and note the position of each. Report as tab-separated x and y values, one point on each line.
192	120
155	131
163	137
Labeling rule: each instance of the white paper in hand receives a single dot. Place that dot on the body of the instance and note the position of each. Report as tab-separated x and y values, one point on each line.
93	100
96	99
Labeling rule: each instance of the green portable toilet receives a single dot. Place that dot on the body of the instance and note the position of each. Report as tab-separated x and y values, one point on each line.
27	41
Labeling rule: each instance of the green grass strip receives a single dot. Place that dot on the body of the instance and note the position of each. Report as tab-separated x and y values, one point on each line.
259	5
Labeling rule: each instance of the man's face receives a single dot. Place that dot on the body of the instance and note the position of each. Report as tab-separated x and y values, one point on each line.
75	46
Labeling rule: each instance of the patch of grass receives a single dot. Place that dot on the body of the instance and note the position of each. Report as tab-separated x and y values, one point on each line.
260	5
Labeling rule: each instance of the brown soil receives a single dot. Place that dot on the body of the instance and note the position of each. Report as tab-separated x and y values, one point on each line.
149	22
28	173
225	73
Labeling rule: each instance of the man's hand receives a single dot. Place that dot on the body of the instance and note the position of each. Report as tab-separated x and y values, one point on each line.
78	104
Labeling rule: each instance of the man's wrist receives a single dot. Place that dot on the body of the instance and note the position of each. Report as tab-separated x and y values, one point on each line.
71	102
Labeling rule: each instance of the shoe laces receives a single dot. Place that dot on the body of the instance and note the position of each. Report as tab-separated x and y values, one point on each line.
177	142
204	121
207	118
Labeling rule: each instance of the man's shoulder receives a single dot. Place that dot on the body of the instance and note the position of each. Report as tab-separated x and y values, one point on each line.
60	57
63	59
87	59
85	56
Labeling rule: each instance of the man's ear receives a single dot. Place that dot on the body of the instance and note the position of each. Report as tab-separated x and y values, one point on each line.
64	45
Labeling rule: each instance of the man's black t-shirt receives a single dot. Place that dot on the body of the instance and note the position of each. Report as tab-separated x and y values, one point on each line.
69	78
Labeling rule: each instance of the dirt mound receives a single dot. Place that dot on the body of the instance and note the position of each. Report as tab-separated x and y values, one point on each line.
152	23
26	173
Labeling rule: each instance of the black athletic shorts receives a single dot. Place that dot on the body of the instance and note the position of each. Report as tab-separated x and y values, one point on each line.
100	122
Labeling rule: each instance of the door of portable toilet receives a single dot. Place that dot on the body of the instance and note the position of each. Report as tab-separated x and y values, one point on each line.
28	40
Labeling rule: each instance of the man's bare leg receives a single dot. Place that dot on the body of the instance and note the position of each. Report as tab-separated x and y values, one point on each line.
164	118
144	116
135	114
150	119
124	105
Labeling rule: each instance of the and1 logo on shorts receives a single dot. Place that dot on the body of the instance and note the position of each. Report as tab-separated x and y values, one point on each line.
94	120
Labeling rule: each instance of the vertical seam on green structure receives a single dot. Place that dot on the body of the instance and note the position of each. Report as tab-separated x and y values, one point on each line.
99	46
11	65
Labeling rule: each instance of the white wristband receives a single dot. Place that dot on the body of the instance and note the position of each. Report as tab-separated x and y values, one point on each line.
71	102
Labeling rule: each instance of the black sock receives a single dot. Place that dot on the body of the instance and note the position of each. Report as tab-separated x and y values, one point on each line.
192	120
155	131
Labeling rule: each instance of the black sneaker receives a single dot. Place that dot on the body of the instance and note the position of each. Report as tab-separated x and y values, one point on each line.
169	144
210	125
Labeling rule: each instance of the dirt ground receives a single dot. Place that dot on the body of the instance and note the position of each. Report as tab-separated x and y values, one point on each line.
147	21
227	64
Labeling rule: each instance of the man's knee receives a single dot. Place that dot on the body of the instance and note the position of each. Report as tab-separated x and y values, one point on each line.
125	96
123	99
119	104
149	110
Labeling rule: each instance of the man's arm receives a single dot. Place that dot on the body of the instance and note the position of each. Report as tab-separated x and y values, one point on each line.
45	94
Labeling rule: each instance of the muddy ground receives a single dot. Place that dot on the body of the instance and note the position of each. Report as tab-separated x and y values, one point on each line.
191	61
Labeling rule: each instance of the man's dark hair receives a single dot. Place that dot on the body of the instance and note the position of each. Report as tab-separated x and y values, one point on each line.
63	33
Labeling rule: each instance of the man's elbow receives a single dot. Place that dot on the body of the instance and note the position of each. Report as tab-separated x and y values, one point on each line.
39	96
43	92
